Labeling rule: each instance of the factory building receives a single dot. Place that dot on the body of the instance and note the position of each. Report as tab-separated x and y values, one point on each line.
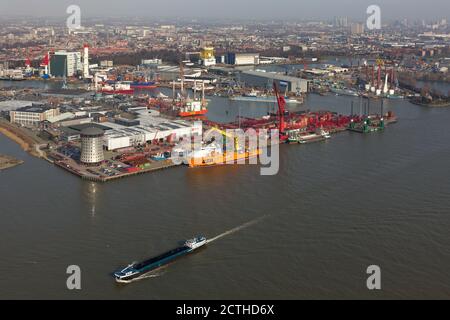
127	122
65	64
33	115
11	105
264	80
86	61
123	137
207	57
92	146
151	62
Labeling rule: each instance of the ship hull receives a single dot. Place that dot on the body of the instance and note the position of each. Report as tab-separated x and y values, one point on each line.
223	159
127	91
193	113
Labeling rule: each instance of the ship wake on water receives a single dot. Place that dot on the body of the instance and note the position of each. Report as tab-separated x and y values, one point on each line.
241	227
146	269
150	275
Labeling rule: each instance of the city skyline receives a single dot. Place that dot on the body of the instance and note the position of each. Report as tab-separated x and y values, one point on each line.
252	10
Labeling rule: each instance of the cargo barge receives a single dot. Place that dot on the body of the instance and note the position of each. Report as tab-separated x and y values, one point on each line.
371	124
143	85
344	92
7	162
193	108
136	270
223	158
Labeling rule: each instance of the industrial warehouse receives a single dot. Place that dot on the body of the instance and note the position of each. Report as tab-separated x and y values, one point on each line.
192	150
148	127
109	121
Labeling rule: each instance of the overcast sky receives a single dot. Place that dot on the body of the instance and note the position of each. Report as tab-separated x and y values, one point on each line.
242	9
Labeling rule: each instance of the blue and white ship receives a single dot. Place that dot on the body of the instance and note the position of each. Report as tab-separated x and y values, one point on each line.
136	270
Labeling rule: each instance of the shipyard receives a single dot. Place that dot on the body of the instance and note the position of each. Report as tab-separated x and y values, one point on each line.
7	162
106	121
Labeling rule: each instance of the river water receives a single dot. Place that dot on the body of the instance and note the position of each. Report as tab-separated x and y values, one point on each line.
441	87
309	232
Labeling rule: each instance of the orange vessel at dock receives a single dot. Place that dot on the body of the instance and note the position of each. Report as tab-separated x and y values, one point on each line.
193	113
191	108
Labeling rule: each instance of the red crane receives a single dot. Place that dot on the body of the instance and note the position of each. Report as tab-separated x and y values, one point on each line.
28	63
373	75
281	112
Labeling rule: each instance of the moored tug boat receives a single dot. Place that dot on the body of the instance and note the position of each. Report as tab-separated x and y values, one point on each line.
136	270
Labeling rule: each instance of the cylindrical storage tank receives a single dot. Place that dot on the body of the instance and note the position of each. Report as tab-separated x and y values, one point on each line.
92	146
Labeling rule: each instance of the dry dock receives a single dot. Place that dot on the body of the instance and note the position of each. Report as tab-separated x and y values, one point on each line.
25	139
7	162
102	174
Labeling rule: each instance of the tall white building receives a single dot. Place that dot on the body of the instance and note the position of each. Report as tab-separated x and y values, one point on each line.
64	63
207	56
92	146
32	115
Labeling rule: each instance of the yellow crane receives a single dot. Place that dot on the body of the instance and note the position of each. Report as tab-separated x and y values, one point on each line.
380	62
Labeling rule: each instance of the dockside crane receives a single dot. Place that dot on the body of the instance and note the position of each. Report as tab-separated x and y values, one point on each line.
45	64
380	64
281	112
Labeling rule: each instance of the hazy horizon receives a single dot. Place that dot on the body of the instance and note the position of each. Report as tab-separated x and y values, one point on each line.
231	9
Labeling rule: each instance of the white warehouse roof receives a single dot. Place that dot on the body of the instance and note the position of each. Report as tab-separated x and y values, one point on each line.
123	137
